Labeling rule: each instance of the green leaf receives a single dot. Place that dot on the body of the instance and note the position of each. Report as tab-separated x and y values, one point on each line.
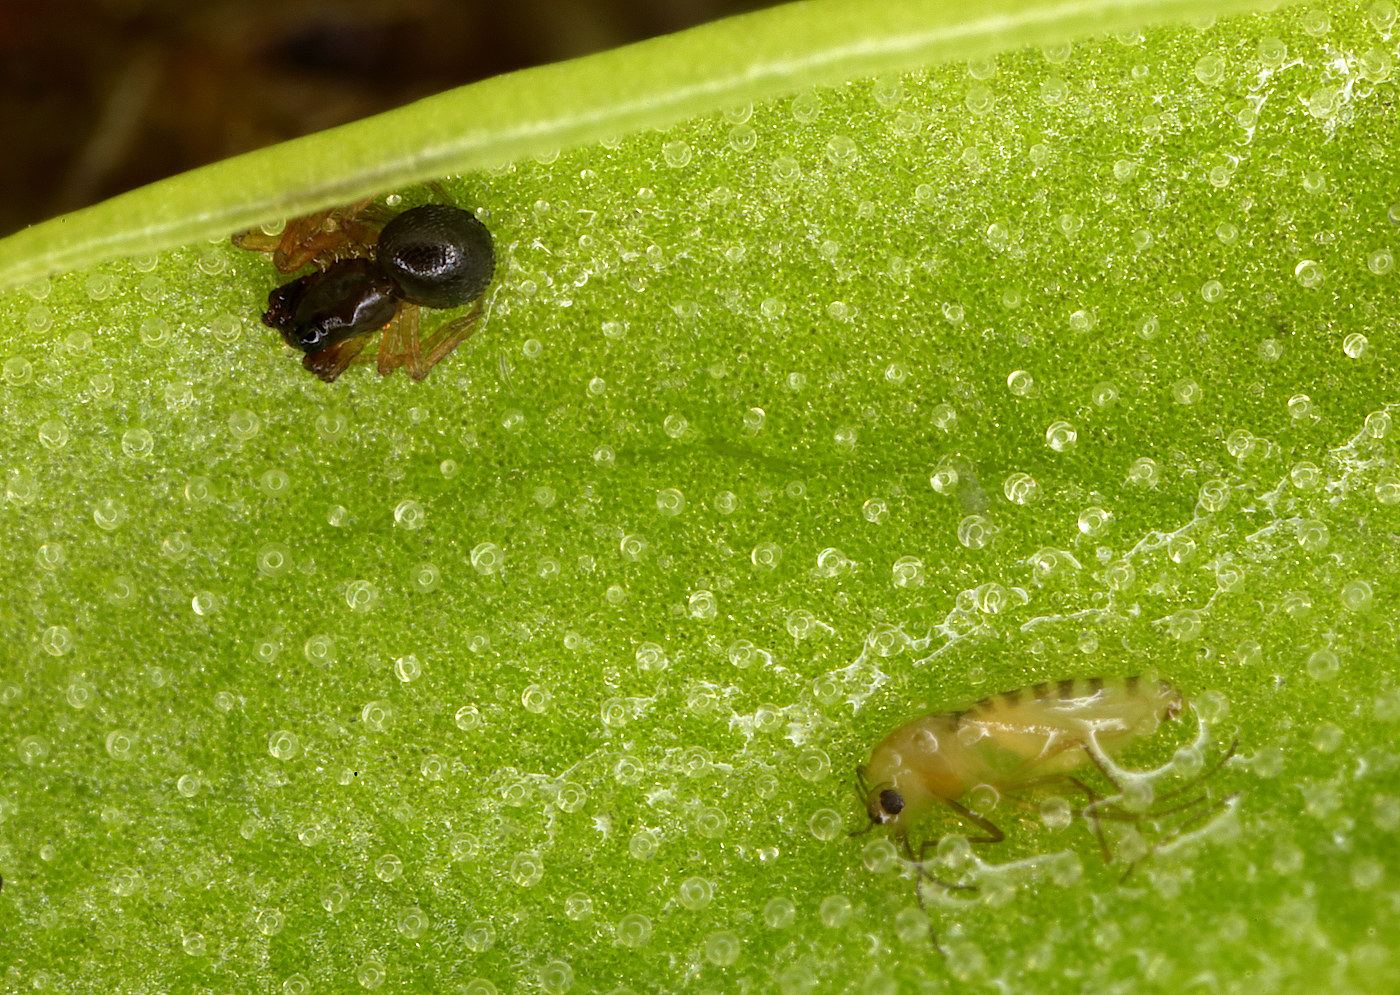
541	110
788	422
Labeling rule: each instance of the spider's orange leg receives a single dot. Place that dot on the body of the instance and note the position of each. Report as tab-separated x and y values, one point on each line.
257	240
441	343
320	237
332	361
400	341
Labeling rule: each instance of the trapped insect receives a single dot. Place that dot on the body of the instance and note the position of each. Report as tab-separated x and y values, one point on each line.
1016	743
374	271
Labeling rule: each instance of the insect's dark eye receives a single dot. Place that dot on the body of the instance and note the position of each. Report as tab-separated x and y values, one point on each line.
440	256
891	801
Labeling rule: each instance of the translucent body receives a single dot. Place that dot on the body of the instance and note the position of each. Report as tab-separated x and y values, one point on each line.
1010	742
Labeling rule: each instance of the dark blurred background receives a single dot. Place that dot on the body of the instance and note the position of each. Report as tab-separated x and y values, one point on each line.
99	96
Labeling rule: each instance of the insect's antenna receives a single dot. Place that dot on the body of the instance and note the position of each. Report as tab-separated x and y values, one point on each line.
1202	778
862	792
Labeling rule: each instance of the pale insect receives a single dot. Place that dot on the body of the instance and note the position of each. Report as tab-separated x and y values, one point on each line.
1017	742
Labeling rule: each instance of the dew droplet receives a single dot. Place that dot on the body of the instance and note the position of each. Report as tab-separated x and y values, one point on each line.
1357	596
409	514
670	501
283	745
468	718
1094	520
121	744
527	869
835	911
1184	626
702	605
535	699
1323	665
1309	274
711	823
108	514
909	570
766	556
841	150
1312	535
976	531
722	948
1021	489
361	595
371	974
825	824
407	668
1213	496
633	931
556	977
1210	69
1061	436
1327	737
1186	391
779	913
244	425
487	558
378	716
1119	575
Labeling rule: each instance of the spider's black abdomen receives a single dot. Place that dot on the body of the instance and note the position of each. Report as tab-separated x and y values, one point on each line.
439	256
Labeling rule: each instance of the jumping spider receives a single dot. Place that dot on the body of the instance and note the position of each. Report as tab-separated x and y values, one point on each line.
374	271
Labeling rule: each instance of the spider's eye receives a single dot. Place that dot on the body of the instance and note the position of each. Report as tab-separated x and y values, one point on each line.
891	801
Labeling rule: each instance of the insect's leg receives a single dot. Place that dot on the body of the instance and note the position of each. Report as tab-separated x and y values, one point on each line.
303	239
920	862
861	832
326	236
441	193
374	216
398	339
448	338
919	895
1176	833
413	358
360	225
1113	812
257	240
332	361
1094	753
994	835
1090	813
920	874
